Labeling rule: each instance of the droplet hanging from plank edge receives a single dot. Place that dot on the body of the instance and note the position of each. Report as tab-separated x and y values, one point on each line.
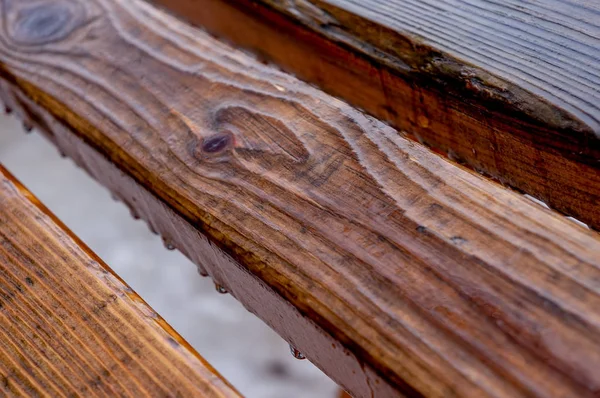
297	354
168	244
221	289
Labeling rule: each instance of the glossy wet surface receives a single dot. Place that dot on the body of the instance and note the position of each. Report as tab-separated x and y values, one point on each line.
252	357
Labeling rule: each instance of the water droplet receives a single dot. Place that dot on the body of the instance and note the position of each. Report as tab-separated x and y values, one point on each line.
27	126
221	289
202	272
8	110
134	214
297	354
168	244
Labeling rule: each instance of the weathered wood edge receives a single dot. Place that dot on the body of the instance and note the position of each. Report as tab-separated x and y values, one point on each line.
208	378
476	118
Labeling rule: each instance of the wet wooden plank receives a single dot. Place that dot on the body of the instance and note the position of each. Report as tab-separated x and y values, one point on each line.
510	88
70	327
392	269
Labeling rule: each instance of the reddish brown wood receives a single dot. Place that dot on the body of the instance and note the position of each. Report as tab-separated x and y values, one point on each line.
321	348
70	327
392	269
510	88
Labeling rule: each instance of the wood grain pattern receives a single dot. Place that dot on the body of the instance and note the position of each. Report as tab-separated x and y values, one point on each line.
430	276
300	331
71	327
510	88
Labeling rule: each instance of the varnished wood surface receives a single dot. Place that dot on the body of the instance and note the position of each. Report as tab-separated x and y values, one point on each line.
436	281
70	327
511	88
344	394
324	350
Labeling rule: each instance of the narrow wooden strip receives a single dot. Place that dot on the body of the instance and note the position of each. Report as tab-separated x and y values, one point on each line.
366	251
69	326
510	88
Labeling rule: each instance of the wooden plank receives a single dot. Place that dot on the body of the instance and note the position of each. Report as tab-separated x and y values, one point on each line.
510	88
344	394
70	327
393	270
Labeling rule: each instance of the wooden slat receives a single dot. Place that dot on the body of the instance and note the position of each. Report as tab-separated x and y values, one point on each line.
392	269
511	87
70	327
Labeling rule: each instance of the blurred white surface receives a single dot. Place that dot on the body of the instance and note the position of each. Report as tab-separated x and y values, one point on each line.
251	356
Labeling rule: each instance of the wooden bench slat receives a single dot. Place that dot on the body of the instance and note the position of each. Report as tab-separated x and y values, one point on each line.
392	269
511	87
70	327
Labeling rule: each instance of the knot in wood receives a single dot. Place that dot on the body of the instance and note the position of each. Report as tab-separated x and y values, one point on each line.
44	23
216	143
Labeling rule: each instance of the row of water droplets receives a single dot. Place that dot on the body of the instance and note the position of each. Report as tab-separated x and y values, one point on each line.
223	290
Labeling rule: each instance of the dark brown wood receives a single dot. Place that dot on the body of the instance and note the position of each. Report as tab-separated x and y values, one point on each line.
510	88
70	327
392	269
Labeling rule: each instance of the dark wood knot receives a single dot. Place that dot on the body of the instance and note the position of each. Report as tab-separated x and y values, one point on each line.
45	22
214	148
217	143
